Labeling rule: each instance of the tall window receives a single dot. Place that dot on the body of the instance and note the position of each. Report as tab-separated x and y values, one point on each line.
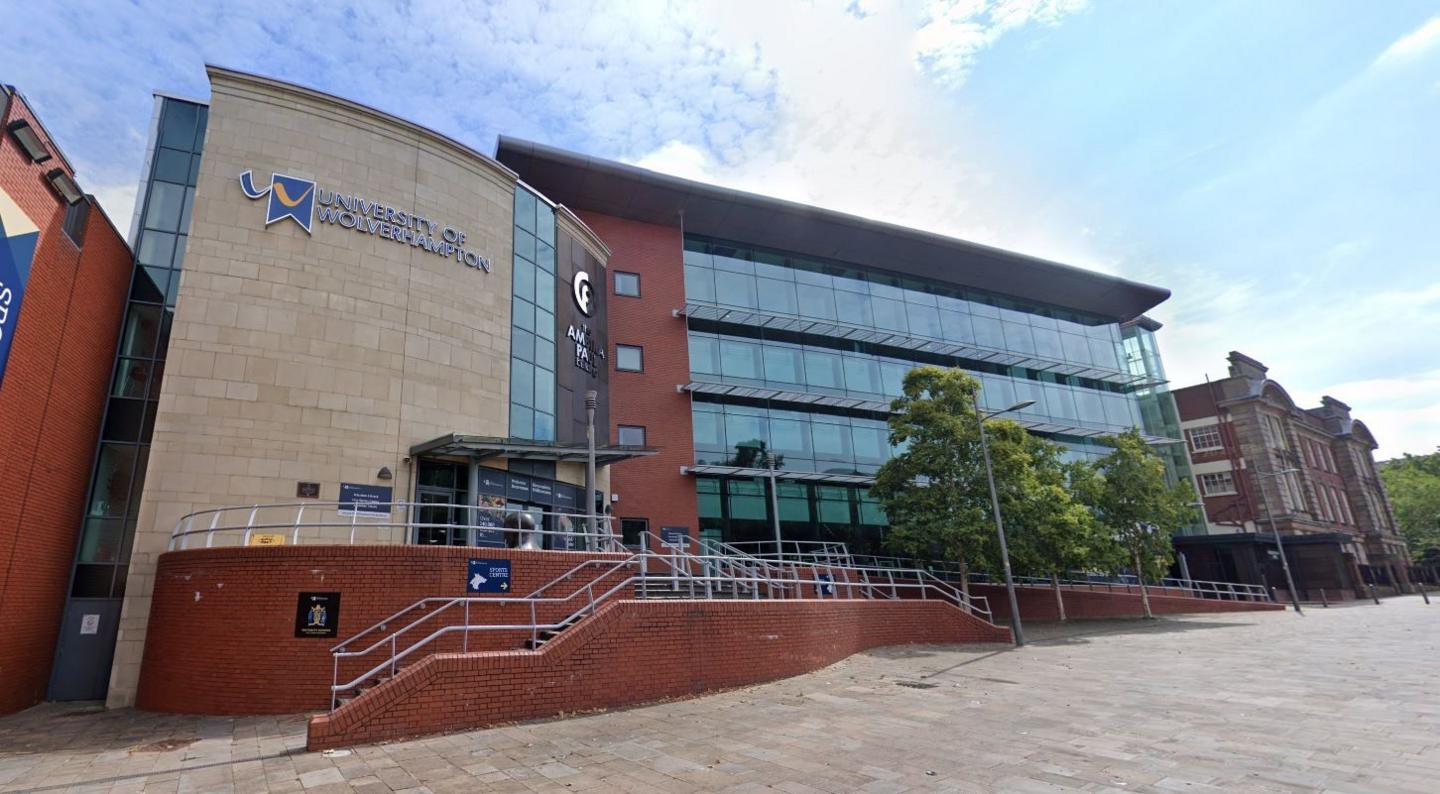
532	337
163	218
1205	438
1274	432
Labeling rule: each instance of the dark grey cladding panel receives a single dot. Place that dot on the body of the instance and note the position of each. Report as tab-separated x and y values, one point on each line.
625	191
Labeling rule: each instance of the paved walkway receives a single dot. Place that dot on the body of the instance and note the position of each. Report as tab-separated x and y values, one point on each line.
1342	700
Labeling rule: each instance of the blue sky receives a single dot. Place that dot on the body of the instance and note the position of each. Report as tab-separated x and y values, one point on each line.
1274	163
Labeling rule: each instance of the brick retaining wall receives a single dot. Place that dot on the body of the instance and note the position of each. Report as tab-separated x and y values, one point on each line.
222	622
638	651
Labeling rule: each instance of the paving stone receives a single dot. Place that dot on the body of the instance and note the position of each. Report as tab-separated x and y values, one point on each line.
1342	700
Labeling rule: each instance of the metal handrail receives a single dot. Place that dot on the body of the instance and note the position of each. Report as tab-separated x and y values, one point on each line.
773	578
534	626
1225	590
228	522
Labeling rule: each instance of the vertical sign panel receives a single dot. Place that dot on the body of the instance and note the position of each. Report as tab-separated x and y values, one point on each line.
18	237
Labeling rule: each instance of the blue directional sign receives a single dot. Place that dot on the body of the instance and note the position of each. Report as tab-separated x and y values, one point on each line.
488	576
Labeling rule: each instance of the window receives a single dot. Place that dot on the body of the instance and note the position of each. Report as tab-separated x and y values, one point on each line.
629	358
1218	483
1204	438
75	216
630	435
627	284
631	529
1274	432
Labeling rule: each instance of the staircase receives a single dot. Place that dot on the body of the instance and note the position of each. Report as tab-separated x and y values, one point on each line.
719	572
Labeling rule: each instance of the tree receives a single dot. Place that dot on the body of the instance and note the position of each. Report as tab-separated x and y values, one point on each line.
934	490
1139	508
1050	532
1413	483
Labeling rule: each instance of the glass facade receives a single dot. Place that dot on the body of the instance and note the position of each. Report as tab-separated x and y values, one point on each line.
724	274
166	196
1072	367
532	335
1158	414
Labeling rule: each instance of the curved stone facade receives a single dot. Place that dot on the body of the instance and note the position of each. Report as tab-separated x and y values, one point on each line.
347	298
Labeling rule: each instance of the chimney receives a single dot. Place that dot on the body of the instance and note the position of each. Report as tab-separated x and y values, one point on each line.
1243	366
1329	406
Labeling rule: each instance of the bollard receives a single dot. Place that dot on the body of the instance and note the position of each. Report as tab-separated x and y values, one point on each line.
1324	601
1274	596
1420	583
1373	596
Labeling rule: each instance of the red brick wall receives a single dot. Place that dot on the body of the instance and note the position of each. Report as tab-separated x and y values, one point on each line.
651	488
222	621
639	651
50	407
1038	603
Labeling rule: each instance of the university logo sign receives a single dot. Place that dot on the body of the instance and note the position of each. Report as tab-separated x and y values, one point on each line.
303	201
290	197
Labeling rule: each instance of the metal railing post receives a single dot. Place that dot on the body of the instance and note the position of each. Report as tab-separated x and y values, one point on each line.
465	640
534	628
334	676
249	523
295	533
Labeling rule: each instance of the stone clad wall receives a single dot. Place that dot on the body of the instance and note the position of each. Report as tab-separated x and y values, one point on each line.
319	357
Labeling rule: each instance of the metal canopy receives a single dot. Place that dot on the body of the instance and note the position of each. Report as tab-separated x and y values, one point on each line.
795	476
838	330
782	395
625	191
485	447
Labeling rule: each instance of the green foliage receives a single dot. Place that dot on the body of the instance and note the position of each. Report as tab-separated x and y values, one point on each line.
934	491
1049	532
1137	506
1414	486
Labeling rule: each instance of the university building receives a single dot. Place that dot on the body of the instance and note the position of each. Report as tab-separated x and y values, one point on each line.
1261	463
349	356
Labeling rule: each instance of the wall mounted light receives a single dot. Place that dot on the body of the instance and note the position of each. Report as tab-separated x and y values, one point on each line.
65	186
29	140
384	474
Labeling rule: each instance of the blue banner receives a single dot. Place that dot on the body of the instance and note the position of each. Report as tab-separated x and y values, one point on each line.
18	238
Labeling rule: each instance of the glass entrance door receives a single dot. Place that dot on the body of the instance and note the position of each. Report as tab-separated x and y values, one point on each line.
441	522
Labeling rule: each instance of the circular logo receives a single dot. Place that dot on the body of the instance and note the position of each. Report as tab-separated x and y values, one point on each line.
584	293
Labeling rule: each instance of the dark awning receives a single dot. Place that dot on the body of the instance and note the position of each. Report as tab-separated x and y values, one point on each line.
485	447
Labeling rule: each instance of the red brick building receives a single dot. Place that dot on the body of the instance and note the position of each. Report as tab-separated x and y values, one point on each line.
1260	460
64	271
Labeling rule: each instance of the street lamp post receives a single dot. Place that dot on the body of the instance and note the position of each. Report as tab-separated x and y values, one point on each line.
775	506
1015	628
592	528
1275	530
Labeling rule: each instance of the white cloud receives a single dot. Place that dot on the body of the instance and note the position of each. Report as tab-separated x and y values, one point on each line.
1412	45
957	31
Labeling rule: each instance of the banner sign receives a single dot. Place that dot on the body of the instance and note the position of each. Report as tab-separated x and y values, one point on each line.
18	237
365	501
488	576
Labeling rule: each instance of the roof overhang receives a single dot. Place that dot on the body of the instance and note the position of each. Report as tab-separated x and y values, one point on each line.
486	447
625	191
